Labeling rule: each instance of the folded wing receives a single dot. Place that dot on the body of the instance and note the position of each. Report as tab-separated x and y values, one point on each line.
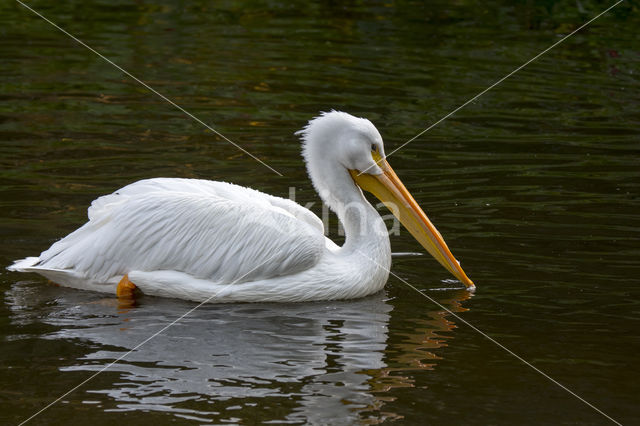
210	230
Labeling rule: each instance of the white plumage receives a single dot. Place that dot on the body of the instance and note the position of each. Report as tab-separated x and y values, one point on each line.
215	241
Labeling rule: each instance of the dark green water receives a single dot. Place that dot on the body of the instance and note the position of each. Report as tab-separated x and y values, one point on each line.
535	186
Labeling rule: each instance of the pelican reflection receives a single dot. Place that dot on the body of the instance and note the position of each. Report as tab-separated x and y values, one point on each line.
312	362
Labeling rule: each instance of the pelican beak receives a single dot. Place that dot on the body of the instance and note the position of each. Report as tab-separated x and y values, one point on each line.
389	189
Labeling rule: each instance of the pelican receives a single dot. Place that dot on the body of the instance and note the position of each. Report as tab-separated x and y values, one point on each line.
213	241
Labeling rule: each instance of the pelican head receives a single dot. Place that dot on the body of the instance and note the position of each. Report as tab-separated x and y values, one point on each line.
343	153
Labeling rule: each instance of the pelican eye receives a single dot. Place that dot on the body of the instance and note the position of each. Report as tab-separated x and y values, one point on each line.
374	147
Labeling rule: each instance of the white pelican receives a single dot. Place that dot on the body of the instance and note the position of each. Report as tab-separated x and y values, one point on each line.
214	241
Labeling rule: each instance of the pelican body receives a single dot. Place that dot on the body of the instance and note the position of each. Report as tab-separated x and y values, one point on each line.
214	241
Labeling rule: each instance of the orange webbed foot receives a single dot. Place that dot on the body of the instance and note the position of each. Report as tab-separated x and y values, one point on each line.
126	289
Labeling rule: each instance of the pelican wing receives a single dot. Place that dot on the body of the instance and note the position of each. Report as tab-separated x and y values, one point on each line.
210	230
218	189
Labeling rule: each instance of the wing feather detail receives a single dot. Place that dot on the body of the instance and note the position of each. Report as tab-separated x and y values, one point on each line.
210	230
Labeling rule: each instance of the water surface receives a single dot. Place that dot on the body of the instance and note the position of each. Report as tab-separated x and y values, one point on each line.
534	186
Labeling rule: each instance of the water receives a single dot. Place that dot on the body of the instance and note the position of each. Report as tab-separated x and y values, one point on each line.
534	186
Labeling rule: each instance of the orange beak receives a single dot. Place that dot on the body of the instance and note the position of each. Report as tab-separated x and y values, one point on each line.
388	188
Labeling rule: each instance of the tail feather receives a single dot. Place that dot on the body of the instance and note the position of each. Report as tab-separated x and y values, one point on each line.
24	265
64	277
